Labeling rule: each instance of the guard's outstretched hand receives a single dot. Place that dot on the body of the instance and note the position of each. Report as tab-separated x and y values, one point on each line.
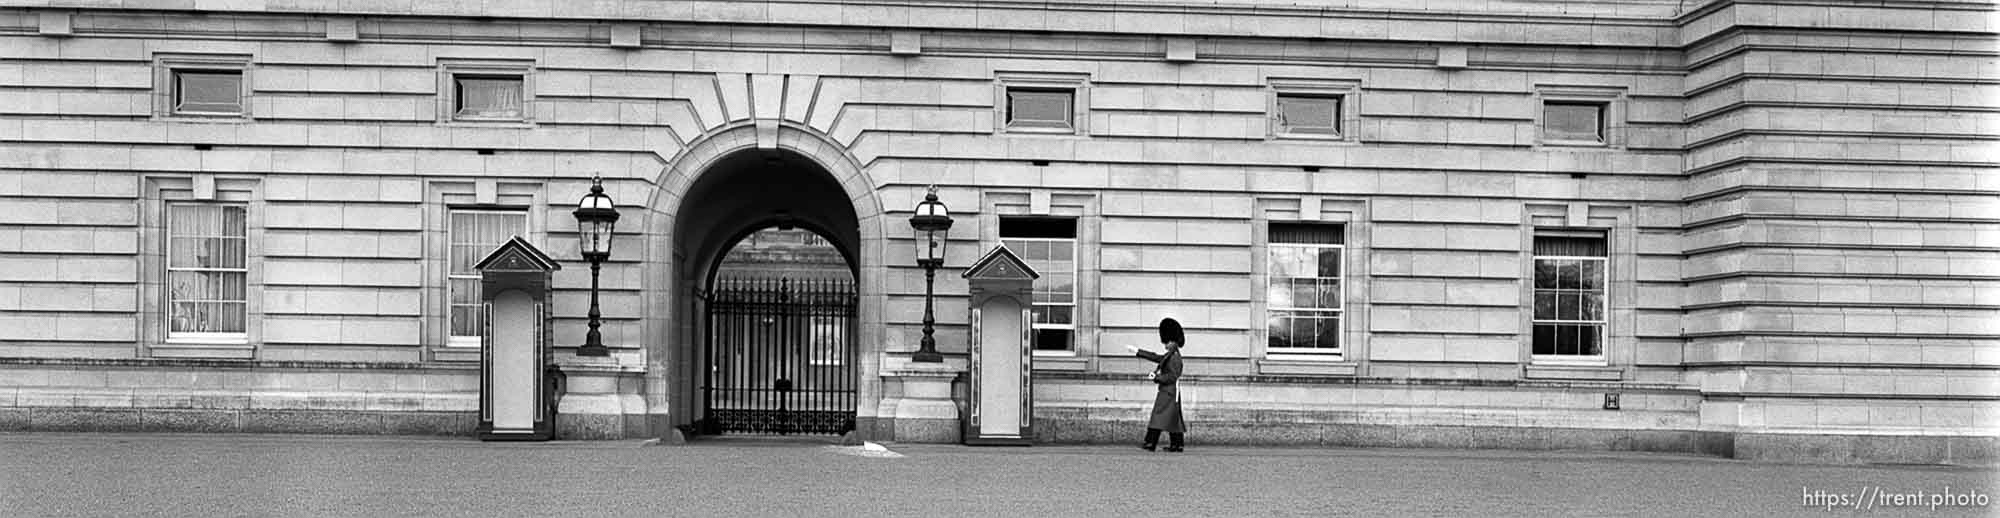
1132	348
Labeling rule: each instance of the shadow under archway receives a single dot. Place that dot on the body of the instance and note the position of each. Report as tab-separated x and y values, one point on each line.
735	196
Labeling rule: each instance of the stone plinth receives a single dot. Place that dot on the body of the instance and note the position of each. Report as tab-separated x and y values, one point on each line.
923	407
601	399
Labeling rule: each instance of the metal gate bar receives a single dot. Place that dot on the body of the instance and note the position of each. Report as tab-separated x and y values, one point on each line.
780	357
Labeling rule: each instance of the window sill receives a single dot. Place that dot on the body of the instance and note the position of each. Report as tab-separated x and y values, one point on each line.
1039	130
455	354
240	350
1313	137
1307	365
488	123
1060	361
222	118
1575	143
1574	372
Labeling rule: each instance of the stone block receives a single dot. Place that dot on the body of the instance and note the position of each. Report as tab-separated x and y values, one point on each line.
311	422
188	421
431	423
84	420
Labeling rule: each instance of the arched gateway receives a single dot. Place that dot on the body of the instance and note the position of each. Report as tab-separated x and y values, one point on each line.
716	374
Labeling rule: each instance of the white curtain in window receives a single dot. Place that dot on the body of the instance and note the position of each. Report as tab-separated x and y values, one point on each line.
206	272
489	97
473	235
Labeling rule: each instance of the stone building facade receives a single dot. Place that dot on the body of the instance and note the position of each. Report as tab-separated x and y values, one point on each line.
1755	228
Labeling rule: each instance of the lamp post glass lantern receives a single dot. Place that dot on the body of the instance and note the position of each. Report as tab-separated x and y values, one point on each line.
595	218
933	224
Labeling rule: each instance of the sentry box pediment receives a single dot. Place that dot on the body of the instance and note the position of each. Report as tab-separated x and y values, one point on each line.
1001	264
516	255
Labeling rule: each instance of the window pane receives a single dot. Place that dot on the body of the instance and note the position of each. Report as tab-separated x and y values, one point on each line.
1308	113
1279	294
1060	315
1590	274
1592	306
1545	305
1304	333
1289	261
1329	262
1568	275
1052	339
464	290
1545	274
465	320
1573	121
489	97
1566	305
1545	339
1329	333
1565	339
1588	342
217	91
1064	253
1305	293
1280	330
1038	106
1329	294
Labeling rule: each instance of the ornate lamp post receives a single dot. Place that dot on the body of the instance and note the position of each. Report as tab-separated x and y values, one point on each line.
932	223
595	217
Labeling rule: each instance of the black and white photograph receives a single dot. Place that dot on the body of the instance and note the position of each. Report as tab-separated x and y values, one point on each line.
1542	258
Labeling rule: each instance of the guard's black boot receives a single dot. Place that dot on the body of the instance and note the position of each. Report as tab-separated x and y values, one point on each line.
1174	442
1151	446
1152	439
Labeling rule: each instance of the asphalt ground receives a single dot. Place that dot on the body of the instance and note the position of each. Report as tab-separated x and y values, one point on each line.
297	475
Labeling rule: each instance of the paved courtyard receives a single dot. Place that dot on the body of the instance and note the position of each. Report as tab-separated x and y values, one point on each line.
270	475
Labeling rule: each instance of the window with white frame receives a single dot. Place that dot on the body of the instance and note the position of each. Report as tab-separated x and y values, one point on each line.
212	87
472	235
1043	108
1303	289
1573	121
1049	246
207	272
1569	297
487	97
207	92
1308	114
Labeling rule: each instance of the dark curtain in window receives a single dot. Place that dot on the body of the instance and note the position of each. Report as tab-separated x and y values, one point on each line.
1570	246
1307	234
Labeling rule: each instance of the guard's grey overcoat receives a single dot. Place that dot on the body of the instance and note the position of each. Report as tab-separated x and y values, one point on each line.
1166	405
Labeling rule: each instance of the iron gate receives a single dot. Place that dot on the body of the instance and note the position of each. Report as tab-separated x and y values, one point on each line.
780	357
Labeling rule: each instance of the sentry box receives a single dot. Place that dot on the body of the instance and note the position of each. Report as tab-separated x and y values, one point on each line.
517	391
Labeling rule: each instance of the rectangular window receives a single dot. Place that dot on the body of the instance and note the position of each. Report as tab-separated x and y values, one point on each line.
1049	246
1573	121
483	97
1304	289
1308	114
1040	108
473	234
207	271
208	92
1569	299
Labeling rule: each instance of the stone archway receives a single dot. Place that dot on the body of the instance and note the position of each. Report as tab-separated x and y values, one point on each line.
722	185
